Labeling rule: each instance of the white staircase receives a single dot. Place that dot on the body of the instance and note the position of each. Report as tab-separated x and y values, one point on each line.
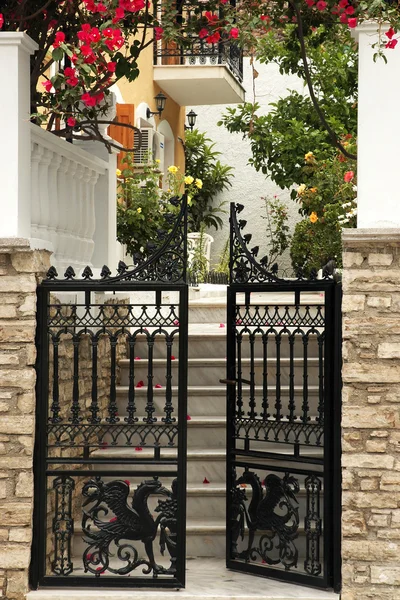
207	575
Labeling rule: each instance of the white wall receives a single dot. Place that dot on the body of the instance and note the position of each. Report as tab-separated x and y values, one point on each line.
248	185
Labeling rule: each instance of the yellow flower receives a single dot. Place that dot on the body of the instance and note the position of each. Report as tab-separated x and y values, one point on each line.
314	190
189	180
199	183
119	172
301	189
173	169
309	157
313	217
169	191
139	210
158	161
190	200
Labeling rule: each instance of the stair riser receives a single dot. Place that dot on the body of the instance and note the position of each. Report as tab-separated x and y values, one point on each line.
208	375
212	406
215	347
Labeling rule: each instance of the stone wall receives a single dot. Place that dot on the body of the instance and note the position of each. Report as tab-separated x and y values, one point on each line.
371	407
20	269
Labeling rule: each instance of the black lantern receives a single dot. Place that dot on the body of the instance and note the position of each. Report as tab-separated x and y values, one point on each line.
160	99
191	117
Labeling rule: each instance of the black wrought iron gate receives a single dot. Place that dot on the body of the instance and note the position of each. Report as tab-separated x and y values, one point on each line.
110	455
284	389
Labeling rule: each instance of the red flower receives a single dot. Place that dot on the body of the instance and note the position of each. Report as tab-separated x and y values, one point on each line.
350	10
214	38
268	18
111	66
119	14
310	3
158	31
321	5
59	39
47	85
88	100
391	44
71	122
343	3
211	18
352	22
348	176
72	81
203	33
343	18
234	33
1	20
390	33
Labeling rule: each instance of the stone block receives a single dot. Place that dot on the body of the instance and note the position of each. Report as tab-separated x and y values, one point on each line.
352	259
375	520
375	446
18	424
369	550
17	583
8	311
24	486
385	574
28	307
368	372
9	359
380	260
20	378
15	513
390	481
14	556
20	535
366	417
368	461
379	301
389	350
353	523
15	462
354	500
31	262
26	402
353	302
17	331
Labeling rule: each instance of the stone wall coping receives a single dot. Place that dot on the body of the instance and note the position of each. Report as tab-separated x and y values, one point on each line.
16	244
360	237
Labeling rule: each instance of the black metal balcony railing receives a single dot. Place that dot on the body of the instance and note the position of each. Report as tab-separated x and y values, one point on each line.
193	50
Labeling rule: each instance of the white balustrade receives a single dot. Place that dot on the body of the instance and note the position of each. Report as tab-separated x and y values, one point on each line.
63	197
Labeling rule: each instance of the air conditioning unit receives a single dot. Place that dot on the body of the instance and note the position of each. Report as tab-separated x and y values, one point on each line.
159	149
142	155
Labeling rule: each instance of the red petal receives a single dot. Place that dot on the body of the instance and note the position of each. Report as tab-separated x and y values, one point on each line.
221	325
158	386
137	358
113	520
188	418
173	357
127	481
206	480
140	384
138	448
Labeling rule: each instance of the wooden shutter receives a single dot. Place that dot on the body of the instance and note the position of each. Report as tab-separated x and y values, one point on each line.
123	135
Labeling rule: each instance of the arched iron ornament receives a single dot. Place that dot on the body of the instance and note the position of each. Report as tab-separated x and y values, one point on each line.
166	263
244	267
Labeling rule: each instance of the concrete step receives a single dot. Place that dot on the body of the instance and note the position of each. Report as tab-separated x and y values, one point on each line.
209	371
207	579
211	400
208	340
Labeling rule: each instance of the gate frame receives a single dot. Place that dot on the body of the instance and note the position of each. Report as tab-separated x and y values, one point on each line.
155	274
255	278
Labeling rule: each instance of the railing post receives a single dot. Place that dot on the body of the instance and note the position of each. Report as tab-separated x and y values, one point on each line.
15	145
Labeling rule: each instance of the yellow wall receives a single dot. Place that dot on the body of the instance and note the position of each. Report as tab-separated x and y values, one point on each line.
143	89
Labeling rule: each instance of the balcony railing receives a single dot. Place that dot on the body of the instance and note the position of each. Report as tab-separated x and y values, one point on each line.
193	50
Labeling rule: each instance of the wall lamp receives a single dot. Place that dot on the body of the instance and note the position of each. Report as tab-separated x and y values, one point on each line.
191	117
160	105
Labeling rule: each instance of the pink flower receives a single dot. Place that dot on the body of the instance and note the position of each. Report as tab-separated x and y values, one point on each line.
71	122
391	44
234	33
158	31
321	5
1	20
390	33
348	176
47	85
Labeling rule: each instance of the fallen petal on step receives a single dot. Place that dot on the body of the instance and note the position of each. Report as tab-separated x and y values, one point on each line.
127	482
158	386
140	384
103	445
176	322
264	562
113	520
138	448
221	325
188	418
137	358
206	480
173	358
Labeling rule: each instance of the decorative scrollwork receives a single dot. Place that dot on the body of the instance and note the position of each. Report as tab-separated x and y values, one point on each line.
276	514
110	525
63	526
168	510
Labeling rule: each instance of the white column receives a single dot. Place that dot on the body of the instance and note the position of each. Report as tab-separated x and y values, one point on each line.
15	140
378	167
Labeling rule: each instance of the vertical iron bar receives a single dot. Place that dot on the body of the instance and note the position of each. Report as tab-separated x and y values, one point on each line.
55	405
75	408
131	408
278	403
150	408
265	413
38	563
232	410
252	402
292	404
239	403
112	405
305	407
320	410
168	408
94	406
182	435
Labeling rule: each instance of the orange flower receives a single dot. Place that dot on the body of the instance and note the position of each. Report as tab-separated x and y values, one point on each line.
313	217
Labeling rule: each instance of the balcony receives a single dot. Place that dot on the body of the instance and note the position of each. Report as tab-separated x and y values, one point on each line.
198	73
